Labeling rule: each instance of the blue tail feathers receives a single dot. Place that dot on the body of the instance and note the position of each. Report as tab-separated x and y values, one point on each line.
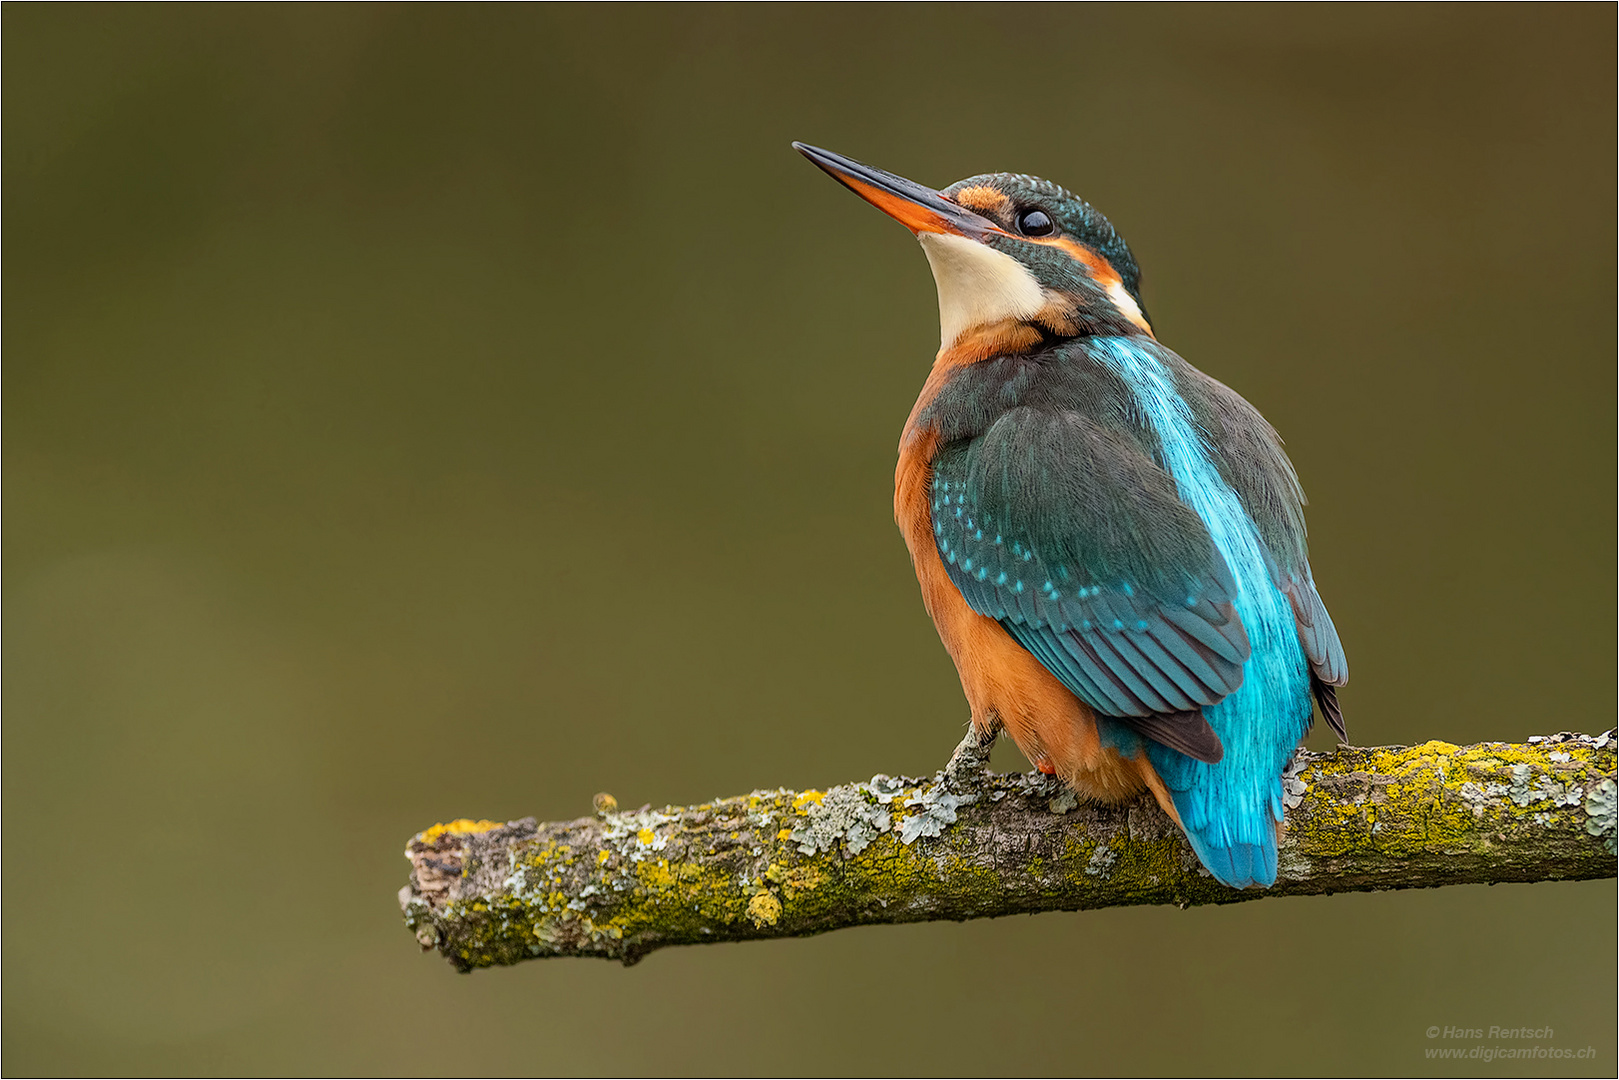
1229	810
1240	865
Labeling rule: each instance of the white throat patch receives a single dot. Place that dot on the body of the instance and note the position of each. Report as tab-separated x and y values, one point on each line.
978	285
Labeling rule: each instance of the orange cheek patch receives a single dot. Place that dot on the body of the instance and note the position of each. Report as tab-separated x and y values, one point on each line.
1101	271
984	199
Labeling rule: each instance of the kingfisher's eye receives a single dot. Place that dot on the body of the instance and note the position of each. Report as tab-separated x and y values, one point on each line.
1035	223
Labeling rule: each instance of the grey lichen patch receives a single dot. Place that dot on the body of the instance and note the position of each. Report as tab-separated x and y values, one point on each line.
637	834
1528	788
937	806
850	813
1601	817
886	788
1101	861
1480	796
1293	788
1064	801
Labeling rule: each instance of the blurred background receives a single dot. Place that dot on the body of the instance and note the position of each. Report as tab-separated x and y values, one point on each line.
416	412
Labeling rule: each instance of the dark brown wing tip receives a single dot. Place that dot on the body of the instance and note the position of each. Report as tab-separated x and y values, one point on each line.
1326	696
1187	732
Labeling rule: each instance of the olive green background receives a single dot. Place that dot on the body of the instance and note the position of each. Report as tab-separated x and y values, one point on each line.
416	412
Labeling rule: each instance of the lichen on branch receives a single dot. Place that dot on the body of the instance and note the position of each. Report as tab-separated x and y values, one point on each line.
967	843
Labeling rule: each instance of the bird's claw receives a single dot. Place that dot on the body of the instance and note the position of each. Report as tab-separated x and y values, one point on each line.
969	763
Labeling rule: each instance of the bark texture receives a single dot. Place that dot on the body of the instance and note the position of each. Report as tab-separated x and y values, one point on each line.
968	844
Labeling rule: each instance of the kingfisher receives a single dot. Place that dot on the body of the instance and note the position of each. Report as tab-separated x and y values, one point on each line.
1110	543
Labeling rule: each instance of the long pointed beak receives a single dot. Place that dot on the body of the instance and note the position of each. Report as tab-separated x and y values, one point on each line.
920	209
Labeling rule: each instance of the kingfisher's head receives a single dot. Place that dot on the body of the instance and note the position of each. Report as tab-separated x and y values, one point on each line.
1018	260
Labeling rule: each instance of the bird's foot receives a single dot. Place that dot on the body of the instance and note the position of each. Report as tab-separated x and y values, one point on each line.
969	764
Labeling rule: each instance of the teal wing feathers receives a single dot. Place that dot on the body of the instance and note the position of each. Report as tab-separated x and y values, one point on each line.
1075	540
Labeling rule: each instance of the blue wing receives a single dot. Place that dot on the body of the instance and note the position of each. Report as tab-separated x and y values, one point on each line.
1072	537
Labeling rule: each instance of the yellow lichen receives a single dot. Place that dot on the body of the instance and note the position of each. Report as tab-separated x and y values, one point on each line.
803	877
458	827
645	836
764	909
656	876
808	797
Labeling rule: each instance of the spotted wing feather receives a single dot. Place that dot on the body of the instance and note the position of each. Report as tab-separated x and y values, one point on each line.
1076	541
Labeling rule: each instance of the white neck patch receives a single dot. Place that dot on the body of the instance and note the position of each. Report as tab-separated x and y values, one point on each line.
1127	304
978	285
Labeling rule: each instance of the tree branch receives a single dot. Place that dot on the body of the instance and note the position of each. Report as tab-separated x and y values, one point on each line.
970	844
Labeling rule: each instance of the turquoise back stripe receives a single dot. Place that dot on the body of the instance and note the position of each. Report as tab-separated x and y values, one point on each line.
1234	802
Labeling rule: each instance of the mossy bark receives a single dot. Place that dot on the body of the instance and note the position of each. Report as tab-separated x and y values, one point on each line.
970	844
